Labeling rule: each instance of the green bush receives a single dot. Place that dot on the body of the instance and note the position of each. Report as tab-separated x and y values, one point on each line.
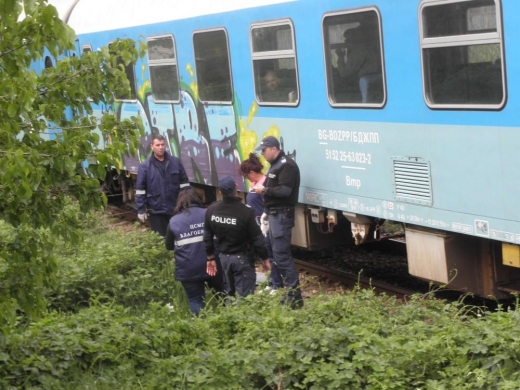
354	341
127	268
118	320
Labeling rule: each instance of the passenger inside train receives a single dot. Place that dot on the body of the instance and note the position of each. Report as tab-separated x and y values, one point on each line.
354	58
361	59
278	89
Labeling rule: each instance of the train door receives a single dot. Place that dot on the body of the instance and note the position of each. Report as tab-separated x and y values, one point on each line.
128	105
173	113
215	91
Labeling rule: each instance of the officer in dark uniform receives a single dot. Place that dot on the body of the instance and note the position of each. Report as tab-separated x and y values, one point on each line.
280	192
234	225
159	180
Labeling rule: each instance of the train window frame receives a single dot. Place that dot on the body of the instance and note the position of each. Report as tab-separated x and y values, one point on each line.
167	62
86	48
293	92
199	68
133	91
467	40
329	67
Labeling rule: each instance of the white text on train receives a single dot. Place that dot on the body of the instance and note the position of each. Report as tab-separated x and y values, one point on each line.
359	137
351	182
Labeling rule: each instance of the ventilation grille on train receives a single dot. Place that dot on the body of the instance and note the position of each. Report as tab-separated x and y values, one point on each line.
412	180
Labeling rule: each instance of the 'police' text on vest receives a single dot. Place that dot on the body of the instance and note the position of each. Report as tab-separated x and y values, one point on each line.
227	221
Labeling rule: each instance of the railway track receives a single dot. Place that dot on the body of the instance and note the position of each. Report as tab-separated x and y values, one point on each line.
351	280
122	215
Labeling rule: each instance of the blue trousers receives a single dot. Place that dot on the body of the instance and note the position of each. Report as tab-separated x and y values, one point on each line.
196	292
159	223
367	84
239	274
275	277
280	228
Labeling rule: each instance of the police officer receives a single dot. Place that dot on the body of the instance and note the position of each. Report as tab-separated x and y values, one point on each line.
280	197
185	236
251	169
159	181
234	225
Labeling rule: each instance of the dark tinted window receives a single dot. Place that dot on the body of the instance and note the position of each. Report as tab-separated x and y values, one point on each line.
460	18
212	64
460	68
162	63
48	62
354	60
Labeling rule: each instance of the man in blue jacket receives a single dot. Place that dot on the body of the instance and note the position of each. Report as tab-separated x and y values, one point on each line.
159	180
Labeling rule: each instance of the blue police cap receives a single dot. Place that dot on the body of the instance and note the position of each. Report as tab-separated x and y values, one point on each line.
227	185
267	142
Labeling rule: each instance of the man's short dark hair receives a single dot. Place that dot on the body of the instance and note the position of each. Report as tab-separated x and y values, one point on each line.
271	71
158	137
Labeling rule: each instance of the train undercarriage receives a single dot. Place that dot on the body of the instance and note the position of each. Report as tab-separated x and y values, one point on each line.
483	267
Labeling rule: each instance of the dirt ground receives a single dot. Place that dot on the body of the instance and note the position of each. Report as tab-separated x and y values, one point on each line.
311	285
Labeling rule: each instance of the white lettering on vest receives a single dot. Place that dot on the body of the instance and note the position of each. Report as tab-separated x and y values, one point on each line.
227	221
191	233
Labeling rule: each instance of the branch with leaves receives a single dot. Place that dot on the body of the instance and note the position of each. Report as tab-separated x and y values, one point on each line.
46	137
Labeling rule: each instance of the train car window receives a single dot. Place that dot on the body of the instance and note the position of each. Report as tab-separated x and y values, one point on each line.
462	54
86	49
274	63
130	74
48	62
213	68
354	59
162	63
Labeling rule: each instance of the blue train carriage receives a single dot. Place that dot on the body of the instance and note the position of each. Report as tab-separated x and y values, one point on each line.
394	110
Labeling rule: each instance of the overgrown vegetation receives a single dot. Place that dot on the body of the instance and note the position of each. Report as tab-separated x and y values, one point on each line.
118	320
47	135
113	267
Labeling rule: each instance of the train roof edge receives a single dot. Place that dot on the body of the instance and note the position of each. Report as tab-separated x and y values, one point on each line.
86	16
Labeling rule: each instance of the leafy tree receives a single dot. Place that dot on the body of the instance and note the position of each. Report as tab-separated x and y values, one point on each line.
46	138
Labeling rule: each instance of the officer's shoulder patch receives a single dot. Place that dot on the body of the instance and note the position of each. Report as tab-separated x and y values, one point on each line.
248	205
283	160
